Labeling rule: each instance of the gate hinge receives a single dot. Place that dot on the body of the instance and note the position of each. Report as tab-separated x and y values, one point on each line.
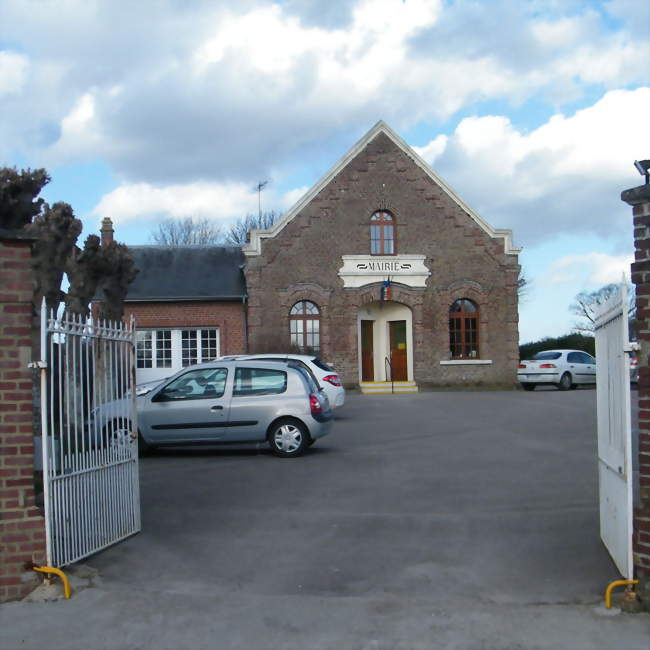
37	364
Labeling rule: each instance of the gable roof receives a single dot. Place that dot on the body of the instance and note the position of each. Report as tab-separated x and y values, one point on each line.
254	247
187	273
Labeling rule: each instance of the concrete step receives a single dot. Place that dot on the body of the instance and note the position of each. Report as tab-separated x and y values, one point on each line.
387	387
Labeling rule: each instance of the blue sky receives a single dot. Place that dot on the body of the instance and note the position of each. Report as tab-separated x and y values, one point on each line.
533	111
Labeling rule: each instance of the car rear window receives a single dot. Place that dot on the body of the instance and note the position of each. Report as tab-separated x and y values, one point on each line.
321	364
547	356
259	381
312	384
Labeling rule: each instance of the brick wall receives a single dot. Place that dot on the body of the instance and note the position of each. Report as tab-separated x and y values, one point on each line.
639	199
303	260
227	316
22	529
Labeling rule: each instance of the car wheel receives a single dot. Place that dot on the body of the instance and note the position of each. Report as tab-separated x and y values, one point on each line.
117	434
565	381
288	438
528	386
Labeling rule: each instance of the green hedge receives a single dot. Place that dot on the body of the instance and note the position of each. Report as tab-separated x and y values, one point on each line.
566	342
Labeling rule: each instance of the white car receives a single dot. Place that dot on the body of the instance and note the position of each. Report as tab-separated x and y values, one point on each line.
562	368
324	375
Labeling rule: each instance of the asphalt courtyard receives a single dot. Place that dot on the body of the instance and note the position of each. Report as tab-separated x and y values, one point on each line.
451	520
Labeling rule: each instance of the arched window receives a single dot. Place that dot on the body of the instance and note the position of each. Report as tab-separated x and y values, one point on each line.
382	233
463	329
304	321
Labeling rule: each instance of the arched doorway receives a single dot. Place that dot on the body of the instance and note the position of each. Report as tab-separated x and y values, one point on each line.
385	336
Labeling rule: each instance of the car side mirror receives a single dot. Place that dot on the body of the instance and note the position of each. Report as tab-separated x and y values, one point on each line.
167	394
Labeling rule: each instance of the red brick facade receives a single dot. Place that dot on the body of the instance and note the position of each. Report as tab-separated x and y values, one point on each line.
229	317
22	528
302	262
639	198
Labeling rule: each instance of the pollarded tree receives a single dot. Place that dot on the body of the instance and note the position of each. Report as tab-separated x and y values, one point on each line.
118	273
84	269
56	230
19	204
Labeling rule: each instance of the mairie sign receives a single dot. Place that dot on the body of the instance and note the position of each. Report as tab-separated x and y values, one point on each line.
359	270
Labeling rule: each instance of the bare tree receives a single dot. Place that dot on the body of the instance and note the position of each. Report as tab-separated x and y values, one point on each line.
239	232
187	232
523	285
585	304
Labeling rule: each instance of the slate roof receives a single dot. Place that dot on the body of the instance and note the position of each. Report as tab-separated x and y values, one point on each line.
187	273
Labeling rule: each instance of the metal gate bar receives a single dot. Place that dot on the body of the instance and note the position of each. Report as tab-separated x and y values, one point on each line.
90	461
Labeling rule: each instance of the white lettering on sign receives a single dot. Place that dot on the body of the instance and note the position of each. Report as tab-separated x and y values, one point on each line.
359	270
383	266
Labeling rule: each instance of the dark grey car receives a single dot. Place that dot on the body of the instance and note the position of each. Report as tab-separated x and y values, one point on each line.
234	402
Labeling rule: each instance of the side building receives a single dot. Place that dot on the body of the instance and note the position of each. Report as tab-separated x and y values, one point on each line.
188	304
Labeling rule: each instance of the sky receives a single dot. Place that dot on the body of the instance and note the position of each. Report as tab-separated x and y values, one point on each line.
534	111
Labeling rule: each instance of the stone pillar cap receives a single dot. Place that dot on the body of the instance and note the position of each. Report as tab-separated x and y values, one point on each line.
636	195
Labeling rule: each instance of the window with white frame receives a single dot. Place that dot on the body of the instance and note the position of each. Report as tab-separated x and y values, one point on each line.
175	349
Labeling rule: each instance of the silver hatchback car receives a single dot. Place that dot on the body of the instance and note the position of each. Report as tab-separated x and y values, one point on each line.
226	402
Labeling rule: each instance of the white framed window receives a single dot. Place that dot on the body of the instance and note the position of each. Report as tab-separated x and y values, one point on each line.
143	348
162	352
199	346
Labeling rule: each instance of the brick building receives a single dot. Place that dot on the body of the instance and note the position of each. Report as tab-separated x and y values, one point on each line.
382	263
380	268
188	303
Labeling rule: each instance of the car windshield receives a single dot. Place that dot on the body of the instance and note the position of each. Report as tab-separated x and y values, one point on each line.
547	356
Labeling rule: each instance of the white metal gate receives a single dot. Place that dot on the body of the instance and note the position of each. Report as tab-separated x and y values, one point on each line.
614	429
89	440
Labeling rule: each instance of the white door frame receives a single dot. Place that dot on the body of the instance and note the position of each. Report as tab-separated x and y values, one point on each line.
381	312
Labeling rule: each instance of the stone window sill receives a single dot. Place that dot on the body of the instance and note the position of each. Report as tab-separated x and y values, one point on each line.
466	362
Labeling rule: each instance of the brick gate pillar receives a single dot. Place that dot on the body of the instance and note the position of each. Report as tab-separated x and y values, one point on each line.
639	199
22	528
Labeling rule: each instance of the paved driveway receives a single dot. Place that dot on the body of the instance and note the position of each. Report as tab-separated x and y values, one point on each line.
438	520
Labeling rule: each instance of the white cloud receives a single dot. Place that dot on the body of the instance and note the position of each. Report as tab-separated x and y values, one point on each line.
232	89
564	176
218	201
594	269
435	148
13	72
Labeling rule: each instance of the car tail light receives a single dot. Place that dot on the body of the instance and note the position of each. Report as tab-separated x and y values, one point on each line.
332	379
314	405
522	365
548	365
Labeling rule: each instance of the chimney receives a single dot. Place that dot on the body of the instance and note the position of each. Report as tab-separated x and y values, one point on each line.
107	231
